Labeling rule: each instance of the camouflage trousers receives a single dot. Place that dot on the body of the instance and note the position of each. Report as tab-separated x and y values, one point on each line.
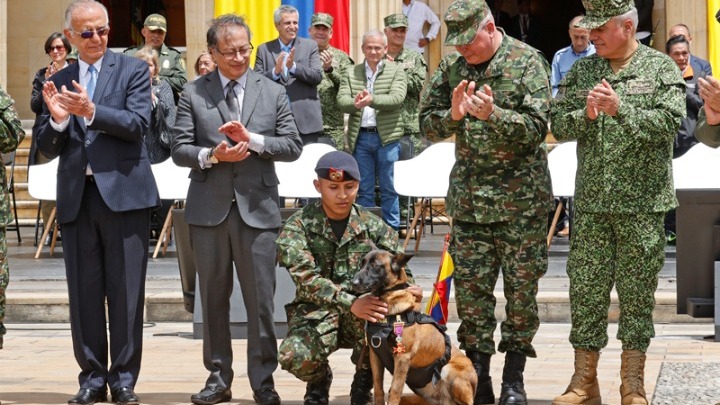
313	335
480	252
4	279
624	250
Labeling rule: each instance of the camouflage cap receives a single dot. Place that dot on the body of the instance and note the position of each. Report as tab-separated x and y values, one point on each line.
396	20
322	19
598	12
72	55
463	18
337	166
156	22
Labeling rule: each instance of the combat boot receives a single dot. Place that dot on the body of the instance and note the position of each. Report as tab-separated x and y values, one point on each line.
361	386
318	392
632	375
584	388
513	386
484	393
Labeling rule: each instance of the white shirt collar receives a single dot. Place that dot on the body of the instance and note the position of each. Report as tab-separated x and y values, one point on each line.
242	80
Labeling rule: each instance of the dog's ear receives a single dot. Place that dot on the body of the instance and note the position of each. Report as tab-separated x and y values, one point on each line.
400	260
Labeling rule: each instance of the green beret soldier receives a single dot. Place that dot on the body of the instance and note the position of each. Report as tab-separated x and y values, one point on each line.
172	64
322	247
623	105
334	62
11	134
493	95
413	63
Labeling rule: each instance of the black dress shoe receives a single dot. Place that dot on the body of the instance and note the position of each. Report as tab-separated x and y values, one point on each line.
89	396
211	395
125	396
266	396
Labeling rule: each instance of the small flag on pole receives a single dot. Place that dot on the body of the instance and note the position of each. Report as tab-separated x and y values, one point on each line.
437	306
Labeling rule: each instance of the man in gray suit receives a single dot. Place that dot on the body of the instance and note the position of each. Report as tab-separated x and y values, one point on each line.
232	124
95	115
294	63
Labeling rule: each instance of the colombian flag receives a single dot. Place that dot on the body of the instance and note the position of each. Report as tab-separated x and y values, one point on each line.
259	16
713	7
437	306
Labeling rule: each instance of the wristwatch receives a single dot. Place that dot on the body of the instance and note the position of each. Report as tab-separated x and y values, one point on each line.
211	156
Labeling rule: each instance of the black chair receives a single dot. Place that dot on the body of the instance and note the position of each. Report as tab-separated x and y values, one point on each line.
9	160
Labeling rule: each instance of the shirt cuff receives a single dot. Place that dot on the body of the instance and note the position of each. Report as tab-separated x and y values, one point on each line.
256	143
203	158
274	76
89	122
61	126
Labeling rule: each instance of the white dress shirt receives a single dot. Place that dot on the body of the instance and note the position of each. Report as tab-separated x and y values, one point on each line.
418	13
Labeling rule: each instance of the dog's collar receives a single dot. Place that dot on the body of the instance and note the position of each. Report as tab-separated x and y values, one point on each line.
397	287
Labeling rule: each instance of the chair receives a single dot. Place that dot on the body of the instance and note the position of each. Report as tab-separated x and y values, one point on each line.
9	159
172	183
42	185
426	176
562	162
296	178
697	168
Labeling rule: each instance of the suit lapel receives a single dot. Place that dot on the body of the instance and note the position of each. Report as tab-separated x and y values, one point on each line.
106	72
252	94
217	95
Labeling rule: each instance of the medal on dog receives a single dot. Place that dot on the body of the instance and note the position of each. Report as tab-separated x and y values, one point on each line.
398	329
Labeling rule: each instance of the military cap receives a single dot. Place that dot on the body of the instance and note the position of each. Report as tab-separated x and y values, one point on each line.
337	166
598	12
322	19
463	19
72	55
396	20
156	22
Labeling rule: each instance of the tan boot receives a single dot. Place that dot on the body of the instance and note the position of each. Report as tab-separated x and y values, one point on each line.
632	375
584	388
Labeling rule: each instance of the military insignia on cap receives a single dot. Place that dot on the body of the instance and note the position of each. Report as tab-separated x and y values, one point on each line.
336	174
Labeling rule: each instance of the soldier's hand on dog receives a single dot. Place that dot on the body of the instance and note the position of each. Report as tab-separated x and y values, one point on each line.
369	308
416	291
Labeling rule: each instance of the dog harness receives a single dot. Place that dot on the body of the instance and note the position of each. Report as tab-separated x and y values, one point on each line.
385	339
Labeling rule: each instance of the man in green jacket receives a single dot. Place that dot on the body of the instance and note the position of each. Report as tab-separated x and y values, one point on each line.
493	95
624	106
172	64
322	247
372	93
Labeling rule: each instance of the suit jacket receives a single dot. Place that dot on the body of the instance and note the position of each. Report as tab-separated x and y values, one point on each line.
533	35
699	66
112	144
251	182
302	86
36	105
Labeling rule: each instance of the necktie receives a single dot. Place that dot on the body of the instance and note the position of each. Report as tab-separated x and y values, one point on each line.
90	88
231	100
286	49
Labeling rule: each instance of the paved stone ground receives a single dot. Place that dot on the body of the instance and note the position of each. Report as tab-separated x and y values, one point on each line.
37	366
688	383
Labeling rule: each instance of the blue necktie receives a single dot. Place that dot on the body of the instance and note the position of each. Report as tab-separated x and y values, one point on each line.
91	83
286	49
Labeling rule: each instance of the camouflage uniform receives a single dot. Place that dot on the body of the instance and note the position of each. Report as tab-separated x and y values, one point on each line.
499	194
333	118
415	71
172	67
319	318
11	134
623	188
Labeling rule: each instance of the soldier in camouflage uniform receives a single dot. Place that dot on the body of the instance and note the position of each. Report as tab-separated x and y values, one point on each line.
415	71
334	63
322	247
493	95
172	64
11	134
624	106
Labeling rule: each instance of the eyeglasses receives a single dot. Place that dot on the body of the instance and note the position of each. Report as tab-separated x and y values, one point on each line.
57	48
101	32
229	55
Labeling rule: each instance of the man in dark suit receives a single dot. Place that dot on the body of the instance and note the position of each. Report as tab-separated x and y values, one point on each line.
294	63
524	26
232	124
699	65
96	113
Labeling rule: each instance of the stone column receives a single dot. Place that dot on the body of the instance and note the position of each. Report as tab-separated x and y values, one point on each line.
198	14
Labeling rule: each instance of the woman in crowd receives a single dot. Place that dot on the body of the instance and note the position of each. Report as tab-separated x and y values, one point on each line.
57	47
204	64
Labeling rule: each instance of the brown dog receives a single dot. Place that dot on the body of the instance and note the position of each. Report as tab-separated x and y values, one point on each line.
408	343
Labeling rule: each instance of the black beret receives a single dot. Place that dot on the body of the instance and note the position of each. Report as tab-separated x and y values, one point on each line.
337	166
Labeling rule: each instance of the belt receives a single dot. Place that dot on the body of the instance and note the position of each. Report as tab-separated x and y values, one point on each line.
368	129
